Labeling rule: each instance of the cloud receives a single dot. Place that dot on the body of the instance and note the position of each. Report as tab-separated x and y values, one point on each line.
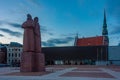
115	30
114	8
48	44
16	25
57	41
12	33
1	35
45	30
60	41
70	34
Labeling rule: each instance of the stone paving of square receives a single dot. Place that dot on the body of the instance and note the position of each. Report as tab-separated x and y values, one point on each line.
65	72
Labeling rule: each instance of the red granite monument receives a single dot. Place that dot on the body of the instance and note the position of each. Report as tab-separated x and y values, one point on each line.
32	60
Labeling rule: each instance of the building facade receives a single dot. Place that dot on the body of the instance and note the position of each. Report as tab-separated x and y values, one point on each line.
71	55
74	55
10	54
114	55
14	55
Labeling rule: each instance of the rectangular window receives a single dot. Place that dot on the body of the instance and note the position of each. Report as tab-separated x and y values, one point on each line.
12	54
9	54
19	54
15	54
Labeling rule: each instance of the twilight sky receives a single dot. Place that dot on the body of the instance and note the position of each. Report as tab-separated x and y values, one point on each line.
60	20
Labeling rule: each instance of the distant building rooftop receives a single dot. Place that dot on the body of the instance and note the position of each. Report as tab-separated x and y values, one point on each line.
12	44
90	41
15	44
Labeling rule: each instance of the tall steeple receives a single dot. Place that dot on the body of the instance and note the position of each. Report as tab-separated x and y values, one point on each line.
105	31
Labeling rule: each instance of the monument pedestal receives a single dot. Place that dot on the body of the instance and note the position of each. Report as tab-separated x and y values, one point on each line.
39	62
32	62
26	62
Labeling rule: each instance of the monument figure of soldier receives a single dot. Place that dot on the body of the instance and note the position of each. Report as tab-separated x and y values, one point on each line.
37	36
28	38
32	60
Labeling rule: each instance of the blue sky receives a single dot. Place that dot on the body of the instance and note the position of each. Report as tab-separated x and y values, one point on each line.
60	20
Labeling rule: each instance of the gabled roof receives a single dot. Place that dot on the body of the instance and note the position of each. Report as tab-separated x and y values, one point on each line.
90	41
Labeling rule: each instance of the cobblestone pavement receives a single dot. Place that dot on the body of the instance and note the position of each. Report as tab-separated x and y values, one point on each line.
67	73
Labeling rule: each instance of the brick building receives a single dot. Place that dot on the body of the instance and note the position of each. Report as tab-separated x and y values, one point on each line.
102	40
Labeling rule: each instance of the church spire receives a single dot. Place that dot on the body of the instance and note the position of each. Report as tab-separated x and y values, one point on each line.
105	31
104	23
